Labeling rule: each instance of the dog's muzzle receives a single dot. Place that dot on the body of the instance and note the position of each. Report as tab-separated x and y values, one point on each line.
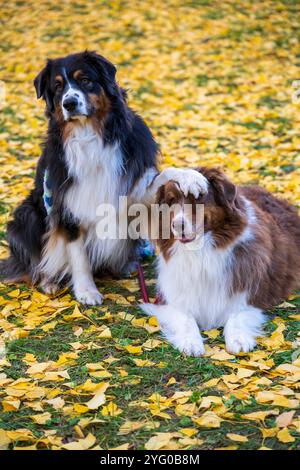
71	104
74	105
182	229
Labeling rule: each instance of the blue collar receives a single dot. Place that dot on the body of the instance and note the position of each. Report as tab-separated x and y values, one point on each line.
47	194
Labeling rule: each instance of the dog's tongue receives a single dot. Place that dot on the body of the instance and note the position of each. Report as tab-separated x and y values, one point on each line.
185	239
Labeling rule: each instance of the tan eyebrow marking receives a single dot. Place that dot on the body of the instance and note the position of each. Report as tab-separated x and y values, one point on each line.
77	74
59	78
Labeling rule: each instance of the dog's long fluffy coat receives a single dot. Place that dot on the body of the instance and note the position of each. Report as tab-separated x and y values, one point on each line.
96	149
249	262
87	164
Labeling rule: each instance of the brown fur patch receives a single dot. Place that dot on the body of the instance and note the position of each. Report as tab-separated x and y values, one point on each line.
269	266
59	78
102	106
77	74
224	210
67	128
54	255
59	116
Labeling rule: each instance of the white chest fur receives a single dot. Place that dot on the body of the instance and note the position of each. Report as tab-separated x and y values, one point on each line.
96	171
196	283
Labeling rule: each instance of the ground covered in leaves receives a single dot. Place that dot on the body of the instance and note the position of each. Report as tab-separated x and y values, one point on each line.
214	82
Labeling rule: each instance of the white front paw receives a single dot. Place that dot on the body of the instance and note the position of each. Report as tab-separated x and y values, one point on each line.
189	345
88	295
240	342
190	181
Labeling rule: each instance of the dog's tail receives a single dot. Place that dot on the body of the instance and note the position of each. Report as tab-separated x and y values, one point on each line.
12	270
24	237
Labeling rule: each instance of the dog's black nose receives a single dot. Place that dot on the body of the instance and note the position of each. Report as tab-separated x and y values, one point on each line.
70	104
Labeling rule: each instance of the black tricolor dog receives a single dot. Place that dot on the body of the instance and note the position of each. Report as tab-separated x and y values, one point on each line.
96	150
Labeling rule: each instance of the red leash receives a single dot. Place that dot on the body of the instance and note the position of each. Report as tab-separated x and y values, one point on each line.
142	282
144	291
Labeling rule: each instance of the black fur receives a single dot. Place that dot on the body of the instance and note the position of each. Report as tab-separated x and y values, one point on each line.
30	223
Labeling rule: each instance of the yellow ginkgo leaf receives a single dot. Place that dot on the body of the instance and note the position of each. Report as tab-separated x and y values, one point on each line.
151	344
10	404
209	419
4	440
80	409
14	293
111	410
130	426
269	432
259	415
188	431
99	397
41	418
212	334
242	373
285	419
20	435
101	374
171	381
221	355
206	402
284	436
91	366
81	444
237	437
105	334
57	403
143	362
134	349
117	298
159	441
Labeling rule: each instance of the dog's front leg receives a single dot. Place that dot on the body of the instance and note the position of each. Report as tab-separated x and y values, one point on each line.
180	329
242	328
189	180
83	284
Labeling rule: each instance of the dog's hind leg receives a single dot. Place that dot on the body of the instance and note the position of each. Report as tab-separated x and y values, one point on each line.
53	267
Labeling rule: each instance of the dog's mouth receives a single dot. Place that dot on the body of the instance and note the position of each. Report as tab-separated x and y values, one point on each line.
187	238
79	116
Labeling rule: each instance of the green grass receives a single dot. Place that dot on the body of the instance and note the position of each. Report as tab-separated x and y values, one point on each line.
190	374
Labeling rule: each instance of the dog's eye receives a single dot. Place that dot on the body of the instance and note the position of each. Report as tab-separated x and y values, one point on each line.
58	86
86	81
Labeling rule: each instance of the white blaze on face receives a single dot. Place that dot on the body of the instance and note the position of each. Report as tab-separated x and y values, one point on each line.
182	222
73	92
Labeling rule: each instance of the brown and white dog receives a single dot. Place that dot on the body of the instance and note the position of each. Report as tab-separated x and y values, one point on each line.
246	261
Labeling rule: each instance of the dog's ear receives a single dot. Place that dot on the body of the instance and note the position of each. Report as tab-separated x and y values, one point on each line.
106	71
225	191
161	195
42	86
